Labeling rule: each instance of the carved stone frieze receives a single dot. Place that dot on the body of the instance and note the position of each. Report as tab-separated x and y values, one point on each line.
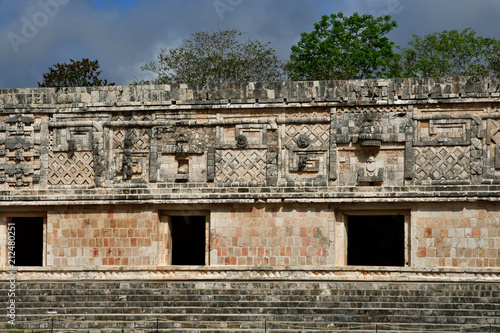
371	172
180	152
444	132
442	163
494	142
20	152
416	133
75	168
370	134
308	161
129	158
72	139
303	141
243	166
159	132
307	136
241	141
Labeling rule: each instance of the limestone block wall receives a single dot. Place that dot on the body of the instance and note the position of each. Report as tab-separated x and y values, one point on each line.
272	172
457	235
270	235
102	236
263	236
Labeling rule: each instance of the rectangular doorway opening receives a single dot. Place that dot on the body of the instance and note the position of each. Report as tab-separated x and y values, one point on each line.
376	240
188	240
29	241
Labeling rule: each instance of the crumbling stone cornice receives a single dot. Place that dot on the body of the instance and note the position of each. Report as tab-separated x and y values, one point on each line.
352	92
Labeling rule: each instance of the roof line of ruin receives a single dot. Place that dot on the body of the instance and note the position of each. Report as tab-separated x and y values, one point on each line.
353	92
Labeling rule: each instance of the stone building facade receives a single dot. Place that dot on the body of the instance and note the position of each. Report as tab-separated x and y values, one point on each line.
369	179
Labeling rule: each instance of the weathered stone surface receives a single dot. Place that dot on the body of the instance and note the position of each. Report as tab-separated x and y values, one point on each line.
254	306
275	169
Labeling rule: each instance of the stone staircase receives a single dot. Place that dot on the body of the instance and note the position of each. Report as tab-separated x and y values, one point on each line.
258	306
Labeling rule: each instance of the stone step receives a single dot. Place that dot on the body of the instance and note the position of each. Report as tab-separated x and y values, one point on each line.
60	290
341	287
289	307
320	304
24	302
495	297
232	293
375	318
76	324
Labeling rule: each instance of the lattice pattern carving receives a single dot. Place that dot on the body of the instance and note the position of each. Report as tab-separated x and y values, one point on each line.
309	114
384	109
318	134
442	163
140	138
71	168
495	130
241	165
135	116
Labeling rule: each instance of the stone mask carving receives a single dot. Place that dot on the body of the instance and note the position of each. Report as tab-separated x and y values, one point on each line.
241	141
303	141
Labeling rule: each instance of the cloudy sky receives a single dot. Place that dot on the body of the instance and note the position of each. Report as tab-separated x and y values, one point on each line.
125	34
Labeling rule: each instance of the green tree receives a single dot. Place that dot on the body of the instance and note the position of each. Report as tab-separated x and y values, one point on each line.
450	53
344	48
83	73
216	57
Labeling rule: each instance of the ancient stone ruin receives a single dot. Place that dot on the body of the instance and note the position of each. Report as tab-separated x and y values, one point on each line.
314	204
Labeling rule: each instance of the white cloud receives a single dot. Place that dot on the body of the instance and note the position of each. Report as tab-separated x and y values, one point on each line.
123	39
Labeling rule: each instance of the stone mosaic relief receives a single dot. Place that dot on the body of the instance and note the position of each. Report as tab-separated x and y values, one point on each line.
20	151
131	116
368	149
131	138
494	145
129	148
75	168
245	166
244	136
392	120
371	167
130	154
315	113
244	154
306	150
442	163
371	145
444	131
316	136
448	150
71	157
181	155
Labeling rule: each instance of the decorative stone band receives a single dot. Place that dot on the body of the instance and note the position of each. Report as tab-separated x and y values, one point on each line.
293	193
256	273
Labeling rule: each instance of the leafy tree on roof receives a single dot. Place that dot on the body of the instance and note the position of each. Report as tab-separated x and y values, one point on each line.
83	73
216	57
342	47
450	53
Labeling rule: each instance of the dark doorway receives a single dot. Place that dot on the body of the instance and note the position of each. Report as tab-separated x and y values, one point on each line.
29	241
375	240
188	240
